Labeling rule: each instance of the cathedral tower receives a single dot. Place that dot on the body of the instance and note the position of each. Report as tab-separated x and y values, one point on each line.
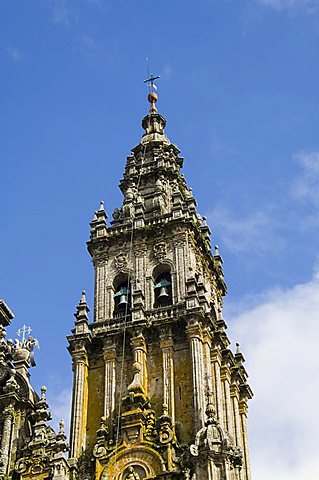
157	392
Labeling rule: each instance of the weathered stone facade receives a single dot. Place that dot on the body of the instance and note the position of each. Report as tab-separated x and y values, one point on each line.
157	393
29	447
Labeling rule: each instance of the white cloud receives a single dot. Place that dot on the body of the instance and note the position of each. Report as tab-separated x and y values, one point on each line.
62	11
166	72
101	4
306	186
253	232
88	42
60	406
279	338
308	5
14	54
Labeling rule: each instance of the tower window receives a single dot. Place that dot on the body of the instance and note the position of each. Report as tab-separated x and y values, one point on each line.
163	290
122	299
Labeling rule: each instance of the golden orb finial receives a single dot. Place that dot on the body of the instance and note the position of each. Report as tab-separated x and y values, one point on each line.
152	98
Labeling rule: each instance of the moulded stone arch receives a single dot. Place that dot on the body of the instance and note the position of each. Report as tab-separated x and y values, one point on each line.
159	267
140	456
121	277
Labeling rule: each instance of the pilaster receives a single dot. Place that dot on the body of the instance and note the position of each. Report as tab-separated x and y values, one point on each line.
8	415
243	412
139	352
234	394
109	357
79	400
167	346
195	337
226	379
216	358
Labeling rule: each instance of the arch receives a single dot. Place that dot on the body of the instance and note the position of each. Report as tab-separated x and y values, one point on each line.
143	458
122	294
121	277
166	265
163	292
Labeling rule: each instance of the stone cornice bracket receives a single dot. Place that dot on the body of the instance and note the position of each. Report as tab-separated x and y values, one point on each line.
98	224
194	329
8	411
218	265
246	393
138	340
109	348
166	337
5	314
80	355
192	300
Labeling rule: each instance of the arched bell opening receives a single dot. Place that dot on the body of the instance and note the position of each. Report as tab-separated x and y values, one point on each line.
163	290
122	298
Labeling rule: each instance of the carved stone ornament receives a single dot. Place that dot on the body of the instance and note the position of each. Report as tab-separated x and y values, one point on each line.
135	472
121	260
21	465
99	451
160	250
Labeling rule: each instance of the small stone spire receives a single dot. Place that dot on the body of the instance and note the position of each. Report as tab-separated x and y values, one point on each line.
240	359
83	297
98	224
81	315
218	261
82	308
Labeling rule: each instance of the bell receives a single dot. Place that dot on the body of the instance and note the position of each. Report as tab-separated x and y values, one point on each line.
123	301
163	295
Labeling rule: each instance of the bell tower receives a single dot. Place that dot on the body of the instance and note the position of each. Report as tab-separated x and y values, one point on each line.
157	392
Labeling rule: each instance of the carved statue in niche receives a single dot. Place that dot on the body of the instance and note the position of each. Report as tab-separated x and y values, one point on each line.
132	475
135	472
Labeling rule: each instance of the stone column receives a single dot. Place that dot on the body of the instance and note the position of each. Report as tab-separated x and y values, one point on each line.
139	352
208	365
109	356
234	393
167	346
79	402
180	277
102	293
140	249
226	378
243	410
194	333
216	358
6	440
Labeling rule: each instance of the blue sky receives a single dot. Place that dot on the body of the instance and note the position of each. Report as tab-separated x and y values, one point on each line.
239	90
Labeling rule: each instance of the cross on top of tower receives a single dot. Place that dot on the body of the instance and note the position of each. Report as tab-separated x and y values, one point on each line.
152	96
150	82
24	331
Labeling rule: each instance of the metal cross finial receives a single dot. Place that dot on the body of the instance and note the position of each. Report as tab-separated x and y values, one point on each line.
23	331
150	78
